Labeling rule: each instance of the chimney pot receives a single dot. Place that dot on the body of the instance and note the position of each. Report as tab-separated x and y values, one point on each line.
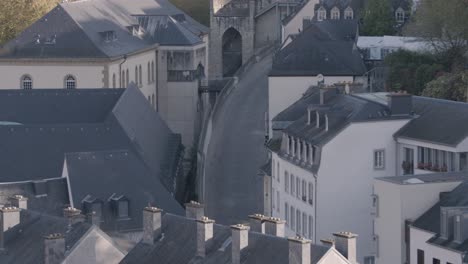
328	242
240	241
9	217
194	210
345	243
19	201
274	226
73	215
54	248
151	224
204	235
299	250
257	223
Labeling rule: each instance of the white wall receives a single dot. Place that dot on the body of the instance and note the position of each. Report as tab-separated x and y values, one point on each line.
418	241
345	179
51	75
284	91
295	24
397	203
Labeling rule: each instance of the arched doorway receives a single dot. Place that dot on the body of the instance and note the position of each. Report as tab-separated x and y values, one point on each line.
232	52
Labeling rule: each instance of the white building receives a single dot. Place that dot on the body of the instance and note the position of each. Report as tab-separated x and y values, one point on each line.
323	53
440	235
398	201
378	47
110	43
332	146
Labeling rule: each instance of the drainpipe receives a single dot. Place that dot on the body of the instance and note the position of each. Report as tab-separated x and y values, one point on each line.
120	70
157	80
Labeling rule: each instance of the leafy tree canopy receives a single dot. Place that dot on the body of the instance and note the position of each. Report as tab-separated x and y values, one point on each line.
450	86
377	19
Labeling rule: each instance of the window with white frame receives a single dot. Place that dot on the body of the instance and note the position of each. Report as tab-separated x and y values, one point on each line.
304	191
26	82
113	81
400	15
70	82
379	159
298	222
286	213
335	13
436	160
273	192
298	188
311	227
273	167
304	224
293	218
286	181
278	172
278	201
321	14
348	13
293	184
311	192
149	73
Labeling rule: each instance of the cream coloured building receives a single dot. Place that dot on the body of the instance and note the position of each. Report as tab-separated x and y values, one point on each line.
109	44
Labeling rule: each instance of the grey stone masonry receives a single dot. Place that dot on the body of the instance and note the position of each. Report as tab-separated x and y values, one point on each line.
151	224
240	241
19	201
274	226
194	210
257	223
345	243
299	250
204	235
9	217
54	249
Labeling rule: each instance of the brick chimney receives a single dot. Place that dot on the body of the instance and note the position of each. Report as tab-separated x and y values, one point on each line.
9	217
194	210
274	226
299	250
345	243
240	241
151	224
54	249
400	104
257	223
204	235
19	201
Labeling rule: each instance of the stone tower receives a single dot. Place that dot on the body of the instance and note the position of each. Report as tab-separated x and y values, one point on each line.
232	36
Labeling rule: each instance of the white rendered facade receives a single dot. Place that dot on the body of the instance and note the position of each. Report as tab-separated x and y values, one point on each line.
295	24
342	187
395	203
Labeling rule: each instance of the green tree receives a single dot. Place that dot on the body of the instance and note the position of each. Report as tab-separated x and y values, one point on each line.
16	15
377	19
450	86
444	23
411	71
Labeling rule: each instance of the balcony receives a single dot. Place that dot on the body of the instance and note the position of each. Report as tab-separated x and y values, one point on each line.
433	168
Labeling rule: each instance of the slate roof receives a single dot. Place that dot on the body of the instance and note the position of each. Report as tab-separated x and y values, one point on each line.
178	246
427	178
104	174
37	137
321	49
74	30
438	121
24	242
430	220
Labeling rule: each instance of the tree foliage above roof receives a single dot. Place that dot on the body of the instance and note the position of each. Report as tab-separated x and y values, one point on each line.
377	19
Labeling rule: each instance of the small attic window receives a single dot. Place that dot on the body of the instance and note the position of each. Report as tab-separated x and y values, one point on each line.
120	206
108	36
179	17
91	204
135	30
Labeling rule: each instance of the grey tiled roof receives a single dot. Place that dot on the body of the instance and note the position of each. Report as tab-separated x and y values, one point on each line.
104	174
74	30
24	242
438	121
430	220
322	48
178	246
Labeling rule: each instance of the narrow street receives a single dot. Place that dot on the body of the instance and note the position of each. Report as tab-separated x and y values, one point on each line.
236	151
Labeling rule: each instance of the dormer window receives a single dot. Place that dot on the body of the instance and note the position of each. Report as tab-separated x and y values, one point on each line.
108	36
135	30
70	82
321	14
91	204
120	206
348	13
335	13
26	82
400	15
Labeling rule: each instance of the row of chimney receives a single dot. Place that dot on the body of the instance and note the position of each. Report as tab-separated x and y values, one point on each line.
299	247
54	244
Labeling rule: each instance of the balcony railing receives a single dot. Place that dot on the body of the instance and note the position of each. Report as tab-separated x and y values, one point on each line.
181	76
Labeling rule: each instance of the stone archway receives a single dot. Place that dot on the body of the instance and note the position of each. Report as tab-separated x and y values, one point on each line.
232	52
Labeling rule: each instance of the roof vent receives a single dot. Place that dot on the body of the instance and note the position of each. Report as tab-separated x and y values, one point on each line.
51	40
